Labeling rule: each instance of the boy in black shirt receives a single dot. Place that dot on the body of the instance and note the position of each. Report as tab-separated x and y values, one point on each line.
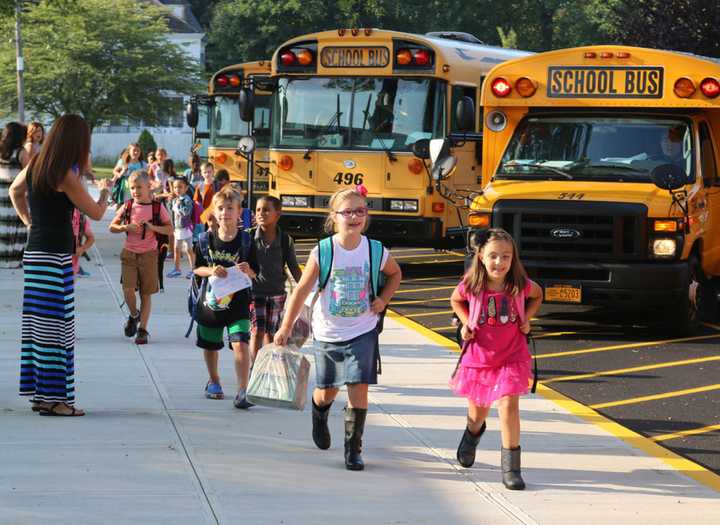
213	254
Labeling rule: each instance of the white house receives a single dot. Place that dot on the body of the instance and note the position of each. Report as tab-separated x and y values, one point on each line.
108	141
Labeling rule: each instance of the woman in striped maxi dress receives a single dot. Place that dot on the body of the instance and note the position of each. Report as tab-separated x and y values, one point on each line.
12	231
44	195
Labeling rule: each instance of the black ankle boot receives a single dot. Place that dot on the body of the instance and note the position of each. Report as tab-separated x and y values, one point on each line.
320	430
510	460
467	446
354	427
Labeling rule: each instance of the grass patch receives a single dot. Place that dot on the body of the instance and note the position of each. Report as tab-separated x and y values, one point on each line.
103	172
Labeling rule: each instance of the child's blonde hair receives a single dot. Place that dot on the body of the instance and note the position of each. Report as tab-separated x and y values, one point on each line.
139	174
207	165
227	194
476	278
337	198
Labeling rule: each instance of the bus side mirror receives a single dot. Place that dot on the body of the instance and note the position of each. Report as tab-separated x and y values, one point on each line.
465	114
443	162
191	114
668	177
421	149
246	105
246	145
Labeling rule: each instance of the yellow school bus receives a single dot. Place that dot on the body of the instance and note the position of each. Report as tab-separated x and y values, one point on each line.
220	124
347	108
602	163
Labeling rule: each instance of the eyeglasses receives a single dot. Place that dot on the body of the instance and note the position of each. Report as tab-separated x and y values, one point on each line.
357	212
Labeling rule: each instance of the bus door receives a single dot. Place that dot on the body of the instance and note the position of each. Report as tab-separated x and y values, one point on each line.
709	166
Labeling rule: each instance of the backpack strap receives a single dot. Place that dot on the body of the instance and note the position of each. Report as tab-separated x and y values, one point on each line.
284	246
245	244
156	213
246	218
204	245
375	249
325	259
520	307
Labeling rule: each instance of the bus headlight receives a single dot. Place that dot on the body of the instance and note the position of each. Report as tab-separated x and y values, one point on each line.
295	201
403	205
664	247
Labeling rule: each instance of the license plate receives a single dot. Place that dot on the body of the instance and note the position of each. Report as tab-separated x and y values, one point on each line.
336	56
563	294
605	82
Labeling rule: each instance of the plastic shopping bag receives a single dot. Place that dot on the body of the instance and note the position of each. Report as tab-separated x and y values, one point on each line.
301	329
279	378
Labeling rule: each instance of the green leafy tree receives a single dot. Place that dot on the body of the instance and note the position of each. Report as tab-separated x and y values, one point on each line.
146	142
108	60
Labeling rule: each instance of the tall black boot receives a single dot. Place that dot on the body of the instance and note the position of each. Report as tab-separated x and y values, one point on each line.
354	427
467	446
510	460
320	431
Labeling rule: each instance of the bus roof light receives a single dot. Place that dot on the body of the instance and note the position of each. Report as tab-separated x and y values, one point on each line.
222	80
684	87
341	32
367	31
607	54
235	80
355	31
421	57
590	54
404	57
526	87
710	87
622	54
288	58
304	57
500	87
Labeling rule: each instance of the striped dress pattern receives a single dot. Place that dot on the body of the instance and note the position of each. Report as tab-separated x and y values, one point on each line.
47	365
13	234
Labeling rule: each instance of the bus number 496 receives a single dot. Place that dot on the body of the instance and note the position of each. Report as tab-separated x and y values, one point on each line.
348	178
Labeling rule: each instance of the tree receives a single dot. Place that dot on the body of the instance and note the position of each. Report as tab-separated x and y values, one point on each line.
146	142
104	59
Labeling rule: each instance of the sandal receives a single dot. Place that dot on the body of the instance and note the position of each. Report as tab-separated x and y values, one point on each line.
53	411
38	406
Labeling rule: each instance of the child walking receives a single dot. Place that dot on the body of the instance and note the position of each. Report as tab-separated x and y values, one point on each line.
495	302
345	319
181	206
214	253
275	251
142	219
84	239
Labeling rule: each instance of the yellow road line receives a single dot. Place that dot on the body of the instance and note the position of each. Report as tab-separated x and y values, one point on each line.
684	433
443	328
419	301
432	289
631	345
551	334
633	369
711	325
666	395
428	314
675	461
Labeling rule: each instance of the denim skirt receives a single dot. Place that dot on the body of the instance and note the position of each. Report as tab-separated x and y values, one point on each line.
347	362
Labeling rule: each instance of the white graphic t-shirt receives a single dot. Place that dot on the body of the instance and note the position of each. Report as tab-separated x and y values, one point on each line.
342	312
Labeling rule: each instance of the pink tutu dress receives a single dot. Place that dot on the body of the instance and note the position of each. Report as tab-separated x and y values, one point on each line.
496	362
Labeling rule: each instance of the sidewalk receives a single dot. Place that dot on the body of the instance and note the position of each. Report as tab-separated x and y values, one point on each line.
152	449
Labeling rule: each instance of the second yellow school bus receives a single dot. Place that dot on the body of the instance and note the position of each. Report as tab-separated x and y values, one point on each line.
602	162
347	109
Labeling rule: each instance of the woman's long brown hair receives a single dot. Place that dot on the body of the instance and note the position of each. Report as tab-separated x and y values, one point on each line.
476	278
67	145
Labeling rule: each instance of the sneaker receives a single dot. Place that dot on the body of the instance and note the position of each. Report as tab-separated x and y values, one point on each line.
214	391
241	401
189	275
82	273
142	337
174	273
131	325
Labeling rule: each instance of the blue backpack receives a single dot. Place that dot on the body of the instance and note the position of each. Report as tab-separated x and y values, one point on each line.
197	308
377	278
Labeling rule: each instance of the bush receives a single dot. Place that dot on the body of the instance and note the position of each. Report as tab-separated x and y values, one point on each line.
147	143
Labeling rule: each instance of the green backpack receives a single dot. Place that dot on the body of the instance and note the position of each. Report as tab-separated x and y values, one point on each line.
377	278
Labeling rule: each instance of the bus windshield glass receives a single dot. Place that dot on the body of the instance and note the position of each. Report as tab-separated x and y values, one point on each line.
597	148
357	113
226	126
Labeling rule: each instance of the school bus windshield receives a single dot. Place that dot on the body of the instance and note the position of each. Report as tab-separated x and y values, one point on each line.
226	126
357	112
598	148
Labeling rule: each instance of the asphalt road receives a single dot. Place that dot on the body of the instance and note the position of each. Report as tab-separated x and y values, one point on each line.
665	389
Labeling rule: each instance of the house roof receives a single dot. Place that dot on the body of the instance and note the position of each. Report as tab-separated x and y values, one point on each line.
179	23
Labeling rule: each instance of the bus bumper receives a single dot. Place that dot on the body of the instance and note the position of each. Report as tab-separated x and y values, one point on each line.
391	230
629	286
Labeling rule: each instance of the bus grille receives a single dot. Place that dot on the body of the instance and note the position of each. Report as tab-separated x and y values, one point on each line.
596	231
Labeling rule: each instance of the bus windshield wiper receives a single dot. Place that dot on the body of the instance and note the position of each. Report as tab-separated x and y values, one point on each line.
617	166
334	120
374	134
535	165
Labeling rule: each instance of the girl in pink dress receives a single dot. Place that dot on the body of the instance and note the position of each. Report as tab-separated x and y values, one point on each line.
495	302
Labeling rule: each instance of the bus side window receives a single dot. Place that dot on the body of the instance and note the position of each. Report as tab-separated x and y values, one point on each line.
707	156
457	93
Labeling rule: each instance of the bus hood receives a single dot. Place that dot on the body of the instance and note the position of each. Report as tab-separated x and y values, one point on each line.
658	201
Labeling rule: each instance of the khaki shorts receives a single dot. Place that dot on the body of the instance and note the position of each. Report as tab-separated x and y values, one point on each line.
140	271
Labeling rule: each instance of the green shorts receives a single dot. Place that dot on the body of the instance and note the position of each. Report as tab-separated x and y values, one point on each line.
212	338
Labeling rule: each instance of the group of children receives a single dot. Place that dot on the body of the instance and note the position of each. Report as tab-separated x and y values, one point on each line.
494	301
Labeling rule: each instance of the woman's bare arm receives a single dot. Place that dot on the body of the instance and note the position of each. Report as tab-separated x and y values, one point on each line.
18	197
76	192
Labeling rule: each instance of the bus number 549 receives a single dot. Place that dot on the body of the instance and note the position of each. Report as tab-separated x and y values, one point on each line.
348	178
